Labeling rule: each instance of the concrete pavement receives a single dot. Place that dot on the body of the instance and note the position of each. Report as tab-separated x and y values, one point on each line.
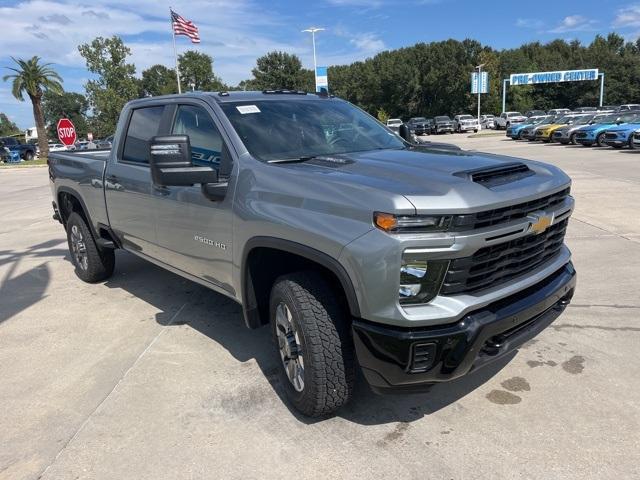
149	376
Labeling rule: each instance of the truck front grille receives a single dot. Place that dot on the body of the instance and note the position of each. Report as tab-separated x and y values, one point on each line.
497	216
497	264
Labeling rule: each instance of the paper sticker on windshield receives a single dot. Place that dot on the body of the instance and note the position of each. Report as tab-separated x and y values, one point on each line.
244	109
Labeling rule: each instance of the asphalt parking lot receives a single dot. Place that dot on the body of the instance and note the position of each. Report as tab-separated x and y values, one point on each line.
149	376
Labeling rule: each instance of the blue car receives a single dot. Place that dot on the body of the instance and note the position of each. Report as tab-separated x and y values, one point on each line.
595	134
622	135
514	131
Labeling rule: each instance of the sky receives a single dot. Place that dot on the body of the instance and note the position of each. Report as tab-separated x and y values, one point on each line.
236	32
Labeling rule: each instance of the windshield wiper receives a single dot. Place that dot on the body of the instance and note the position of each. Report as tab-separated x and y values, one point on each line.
293	160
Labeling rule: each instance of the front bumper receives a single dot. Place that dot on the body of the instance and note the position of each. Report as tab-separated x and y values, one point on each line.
394	358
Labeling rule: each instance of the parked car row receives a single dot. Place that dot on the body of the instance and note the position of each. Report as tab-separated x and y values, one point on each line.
602	129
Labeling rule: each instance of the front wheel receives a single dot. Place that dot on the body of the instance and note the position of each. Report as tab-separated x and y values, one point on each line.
91	264
313	342
632	145
28	156
572	139
600	140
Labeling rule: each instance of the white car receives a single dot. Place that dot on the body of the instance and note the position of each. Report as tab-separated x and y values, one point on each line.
57	147
394	124
505	119
465	123
487	121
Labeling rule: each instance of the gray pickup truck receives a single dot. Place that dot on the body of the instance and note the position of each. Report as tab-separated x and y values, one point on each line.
417	264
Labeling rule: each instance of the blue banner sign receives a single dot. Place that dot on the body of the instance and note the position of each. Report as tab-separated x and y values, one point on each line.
322	80
484	82
554	77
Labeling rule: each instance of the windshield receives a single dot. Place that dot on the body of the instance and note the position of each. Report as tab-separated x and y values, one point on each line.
514	114
394	121
442	119
629	118
290	129
418	119
466	117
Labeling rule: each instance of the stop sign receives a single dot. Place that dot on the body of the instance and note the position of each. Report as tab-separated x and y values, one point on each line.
66	132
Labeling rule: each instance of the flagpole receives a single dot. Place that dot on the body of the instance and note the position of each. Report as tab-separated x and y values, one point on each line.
175	50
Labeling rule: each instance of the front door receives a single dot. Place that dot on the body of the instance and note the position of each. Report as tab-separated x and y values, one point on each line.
195	232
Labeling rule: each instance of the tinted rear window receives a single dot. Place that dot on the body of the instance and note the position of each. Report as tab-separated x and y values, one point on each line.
143	126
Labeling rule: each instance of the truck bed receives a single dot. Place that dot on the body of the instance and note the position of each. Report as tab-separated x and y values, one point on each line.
83	172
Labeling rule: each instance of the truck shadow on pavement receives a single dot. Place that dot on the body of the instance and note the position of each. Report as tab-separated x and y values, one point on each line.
220	319
20	291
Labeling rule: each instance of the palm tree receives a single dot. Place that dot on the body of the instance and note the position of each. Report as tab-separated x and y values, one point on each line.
35	78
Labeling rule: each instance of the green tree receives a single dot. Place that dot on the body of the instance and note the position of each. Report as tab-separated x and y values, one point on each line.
115	84
7	127
277	70
196	71
70	105
158	80
34	79
382	115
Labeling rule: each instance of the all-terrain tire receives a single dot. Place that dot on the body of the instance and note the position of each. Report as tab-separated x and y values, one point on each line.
323	327
91	263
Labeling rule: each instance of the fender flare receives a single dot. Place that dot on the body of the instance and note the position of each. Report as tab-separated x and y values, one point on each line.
249	302
75	194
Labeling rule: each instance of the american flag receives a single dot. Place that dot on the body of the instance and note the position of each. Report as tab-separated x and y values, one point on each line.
184	27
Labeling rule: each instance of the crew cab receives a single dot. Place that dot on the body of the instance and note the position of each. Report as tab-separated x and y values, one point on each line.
506	119
442	124
418	125
25	151
358	248
465	123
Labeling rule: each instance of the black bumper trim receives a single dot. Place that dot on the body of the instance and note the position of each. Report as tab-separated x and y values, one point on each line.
386	353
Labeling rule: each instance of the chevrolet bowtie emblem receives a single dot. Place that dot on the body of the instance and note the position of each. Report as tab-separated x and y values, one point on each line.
540	222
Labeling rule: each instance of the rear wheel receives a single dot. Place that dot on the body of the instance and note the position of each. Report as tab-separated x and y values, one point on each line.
572	139
600	140
28	155
91	264
313	342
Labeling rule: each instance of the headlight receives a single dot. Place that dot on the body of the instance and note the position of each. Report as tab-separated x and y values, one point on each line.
420	279
411	223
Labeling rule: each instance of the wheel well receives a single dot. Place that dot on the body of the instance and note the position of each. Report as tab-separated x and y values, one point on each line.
69	203
263	266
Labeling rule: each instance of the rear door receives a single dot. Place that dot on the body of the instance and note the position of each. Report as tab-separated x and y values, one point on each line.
195	232
128	187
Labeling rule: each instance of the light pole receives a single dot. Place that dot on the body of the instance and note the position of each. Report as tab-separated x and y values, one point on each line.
312	31
479	68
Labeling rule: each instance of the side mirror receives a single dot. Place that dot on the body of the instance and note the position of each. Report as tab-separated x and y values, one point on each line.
405	133
171	164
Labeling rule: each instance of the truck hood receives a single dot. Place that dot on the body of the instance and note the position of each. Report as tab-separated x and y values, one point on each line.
432	180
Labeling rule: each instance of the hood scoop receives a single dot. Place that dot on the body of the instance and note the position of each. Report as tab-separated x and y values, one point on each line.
496	176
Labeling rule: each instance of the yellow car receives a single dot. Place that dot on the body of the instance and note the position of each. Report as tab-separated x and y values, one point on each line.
545	132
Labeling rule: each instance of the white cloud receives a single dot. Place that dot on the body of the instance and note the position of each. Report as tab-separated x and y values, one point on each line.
368	42
529	23
574	23
627	17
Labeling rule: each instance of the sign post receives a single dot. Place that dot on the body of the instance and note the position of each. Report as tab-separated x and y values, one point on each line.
479	85
322	80
66	132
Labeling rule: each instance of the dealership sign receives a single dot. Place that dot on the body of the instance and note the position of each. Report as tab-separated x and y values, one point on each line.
554	77
322	80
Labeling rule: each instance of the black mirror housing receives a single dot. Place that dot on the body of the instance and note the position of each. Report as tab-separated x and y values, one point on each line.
171	164
405	133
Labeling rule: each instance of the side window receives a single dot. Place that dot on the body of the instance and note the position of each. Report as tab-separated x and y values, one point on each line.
143	126
207	146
